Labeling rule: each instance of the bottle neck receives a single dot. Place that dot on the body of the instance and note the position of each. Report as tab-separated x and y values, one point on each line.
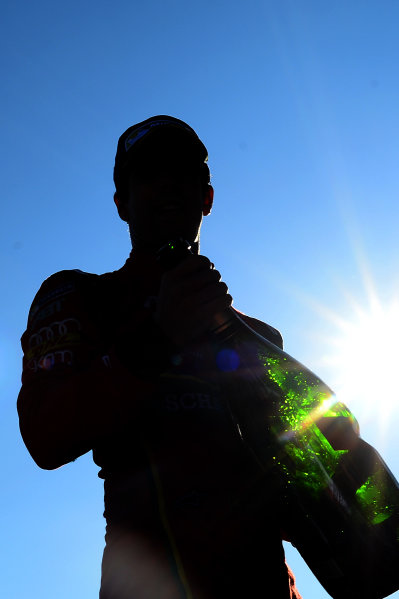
228	324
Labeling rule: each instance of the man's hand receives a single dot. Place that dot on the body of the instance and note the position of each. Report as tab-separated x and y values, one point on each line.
190	296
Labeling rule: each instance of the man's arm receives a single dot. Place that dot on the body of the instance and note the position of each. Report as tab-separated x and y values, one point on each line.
72	396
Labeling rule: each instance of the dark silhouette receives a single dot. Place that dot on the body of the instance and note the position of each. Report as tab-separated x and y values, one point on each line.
120	364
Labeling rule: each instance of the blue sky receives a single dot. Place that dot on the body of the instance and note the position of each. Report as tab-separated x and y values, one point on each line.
297	104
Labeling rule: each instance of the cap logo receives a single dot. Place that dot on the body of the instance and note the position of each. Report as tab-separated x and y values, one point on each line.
144	129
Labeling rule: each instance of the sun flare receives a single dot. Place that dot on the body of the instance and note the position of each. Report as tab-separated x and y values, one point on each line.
364	358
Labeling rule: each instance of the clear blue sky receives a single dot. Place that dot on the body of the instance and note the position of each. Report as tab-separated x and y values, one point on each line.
297	102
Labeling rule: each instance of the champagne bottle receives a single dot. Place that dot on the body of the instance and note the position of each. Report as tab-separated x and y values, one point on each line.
337	499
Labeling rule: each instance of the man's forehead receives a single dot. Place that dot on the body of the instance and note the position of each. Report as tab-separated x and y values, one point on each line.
156	160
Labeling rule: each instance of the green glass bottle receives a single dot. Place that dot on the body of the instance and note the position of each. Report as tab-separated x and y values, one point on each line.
337	500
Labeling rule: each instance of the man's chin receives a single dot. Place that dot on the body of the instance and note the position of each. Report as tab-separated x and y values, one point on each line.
153	245
174	233
157	238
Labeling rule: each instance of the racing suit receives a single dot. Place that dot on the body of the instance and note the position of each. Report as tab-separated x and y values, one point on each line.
189	514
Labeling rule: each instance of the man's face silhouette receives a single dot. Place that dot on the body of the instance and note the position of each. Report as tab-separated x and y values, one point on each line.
165	193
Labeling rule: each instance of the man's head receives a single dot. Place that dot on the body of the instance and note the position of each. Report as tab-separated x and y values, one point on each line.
162	181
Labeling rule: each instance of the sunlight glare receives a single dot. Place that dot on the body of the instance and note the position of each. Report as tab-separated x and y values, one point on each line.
365	360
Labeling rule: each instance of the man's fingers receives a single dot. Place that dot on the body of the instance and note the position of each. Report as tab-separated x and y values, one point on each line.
190	265
190	281
191	294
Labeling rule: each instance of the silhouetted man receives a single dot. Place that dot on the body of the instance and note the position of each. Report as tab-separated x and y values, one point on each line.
121	364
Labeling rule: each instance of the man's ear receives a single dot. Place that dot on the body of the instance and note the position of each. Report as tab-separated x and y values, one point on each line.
208	201
121	206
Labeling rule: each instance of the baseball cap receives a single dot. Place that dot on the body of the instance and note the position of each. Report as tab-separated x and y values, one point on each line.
130	141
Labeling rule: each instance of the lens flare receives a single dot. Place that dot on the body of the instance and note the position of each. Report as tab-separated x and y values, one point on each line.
365	359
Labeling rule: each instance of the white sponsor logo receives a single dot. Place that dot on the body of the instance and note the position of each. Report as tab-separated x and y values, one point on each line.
49	360
55	330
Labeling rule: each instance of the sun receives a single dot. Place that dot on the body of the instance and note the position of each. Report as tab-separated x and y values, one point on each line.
364	360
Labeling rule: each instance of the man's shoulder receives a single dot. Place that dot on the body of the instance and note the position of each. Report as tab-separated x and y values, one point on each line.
71	276
63	282
263	329
58	286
